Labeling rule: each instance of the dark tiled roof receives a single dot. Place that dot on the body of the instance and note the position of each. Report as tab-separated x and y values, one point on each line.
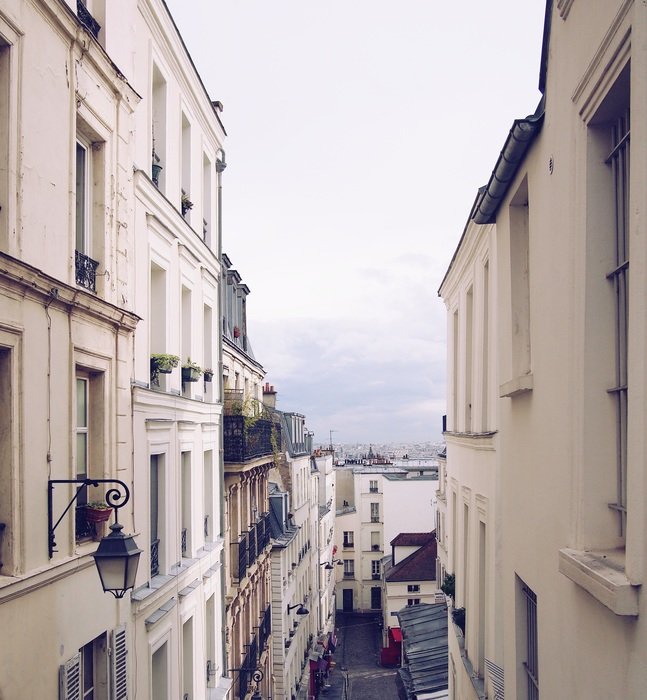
424	629
419	566
412	539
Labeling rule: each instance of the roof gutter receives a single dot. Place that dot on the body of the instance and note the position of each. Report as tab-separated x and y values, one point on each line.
520	138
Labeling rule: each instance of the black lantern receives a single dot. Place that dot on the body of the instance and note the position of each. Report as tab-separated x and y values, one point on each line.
117	557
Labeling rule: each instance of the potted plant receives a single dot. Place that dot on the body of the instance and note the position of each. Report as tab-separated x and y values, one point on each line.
208	374
97	512
156	169
161	363
186	203
236	332
191	371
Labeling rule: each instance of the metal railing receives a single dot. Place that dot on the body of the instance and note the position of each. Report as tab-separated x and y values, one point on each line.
183	540
86	271
87	20
248	667
155	561
242	443
239	558
265	628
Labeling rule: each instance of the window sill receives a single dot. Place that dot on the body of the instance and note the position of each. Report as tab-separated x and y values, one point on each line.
516	386
602	574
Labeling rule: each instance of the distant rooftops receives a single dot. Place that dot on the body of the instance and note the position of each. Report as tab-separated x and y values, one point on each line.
418	566
413	539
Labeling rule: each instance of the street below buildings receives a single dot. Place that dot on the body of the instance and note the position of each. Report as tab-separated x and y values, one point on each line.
359	636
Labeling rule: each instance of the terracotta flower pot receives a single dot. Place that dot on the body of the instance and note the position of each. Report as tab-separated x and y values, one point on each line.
97	515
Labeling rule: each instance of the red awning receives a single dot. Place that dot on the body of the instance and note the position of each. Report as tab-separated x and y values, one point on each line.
396	632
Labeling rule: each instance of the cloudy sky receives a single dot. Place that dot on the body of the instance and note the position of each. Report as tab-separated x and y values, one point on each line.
358	134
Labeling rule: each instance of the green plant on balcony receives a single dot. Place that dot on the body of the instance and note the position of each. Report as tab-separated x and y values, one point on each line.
449	585
191	371
161	363
458	616
274	441
185	203
208	374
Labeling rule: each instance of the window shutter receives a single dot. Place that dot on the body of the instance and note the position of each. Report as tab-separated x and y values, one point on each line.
119	658
70	679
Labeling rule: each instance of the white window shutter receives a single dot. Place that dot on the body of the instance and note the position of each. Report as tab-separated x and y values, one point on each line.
119	657
70	679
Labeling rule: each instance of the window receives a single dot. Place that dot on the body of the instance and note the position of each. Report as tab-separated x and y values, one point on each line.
375	569
618	276
414	588
372	486
186	534
469	327
158	130
349	538
88	442
97	672
376	541
160	673
209	521
527	651
156	514
85	266
375	512
349	568
7	109
413	601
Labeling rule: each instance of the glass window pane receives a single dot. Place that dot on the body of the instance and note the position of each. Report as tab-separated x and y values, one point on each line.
82	455
81	179
81	403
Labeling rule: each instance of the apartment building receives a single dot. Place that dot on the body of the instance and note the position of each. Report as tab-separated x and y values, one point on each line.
467	525
363	493
67	323
568	367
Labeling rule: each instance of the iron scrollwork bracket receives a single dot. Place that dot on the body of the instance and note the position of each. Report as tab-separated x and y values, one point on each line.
116	498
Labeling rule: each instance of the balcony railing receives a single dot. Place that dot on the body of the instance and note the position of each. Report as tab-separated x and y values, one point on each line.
256	440
87	19
349	574
206	527
265	628
183	540
86	271
239	558
155	557
375	518
248	667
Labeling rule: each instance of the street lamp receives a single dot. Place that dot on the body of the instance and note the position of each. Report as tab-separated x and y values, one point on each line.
117	555
331	564
302	610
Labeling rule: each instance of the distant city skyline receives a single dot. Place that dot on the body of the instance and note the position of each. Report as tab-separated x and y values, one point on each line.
358	136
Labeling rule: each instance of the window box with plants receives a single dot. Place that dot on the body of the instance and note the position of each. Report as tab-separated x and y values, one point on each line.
208	374
97	512
161	363
191	371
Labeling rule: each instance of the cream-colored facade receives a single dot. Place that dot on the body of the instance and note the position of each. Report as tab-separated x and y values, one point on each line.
569	370
365	497
466	524
67	325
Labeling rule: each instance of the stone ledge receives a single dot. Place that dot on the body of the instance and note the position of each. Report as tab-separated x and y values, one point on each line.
516	386
602	574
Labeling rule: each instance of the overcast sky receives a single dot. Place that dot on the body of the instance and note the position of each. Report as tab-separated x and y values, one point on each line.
358	134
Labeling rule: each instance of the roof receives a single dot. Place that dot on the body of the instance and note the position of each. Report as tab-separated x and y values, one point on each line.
419	566
413	539
424	629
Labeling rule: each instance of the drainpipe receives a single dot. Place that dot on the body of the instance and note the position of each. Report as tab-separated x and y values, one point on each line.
221	164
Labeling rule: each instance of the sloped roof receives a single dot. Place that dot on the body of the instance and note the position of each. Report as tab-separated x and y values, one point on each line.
413	539
418	566
424	629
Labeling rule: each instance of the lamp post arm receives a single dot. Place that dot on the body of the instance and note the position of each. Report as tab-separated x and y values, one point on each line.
113	497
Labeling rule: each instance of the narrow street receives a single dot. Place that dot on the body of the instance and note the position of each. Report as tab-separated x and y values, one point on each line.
360	640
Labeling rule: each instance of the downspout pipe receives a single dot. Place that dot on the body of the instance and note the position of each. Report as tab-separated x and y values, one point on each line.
516	146
221	164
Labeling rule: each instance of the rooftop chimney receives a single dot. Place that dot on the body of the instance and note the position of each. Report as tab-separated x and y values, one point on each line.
269	395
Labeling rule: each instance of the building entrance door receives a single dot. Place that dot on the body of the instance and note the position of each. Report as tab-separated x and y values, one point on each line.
348	600
376	598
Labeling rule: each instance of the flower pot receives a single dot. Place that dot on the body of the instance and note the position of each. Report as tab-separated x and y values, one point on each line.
189	374
156	169
208	376
97	515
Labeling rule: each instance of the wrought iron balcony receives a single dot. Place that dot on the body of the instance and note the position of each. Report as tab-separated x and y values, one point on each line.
206	527
265	628
86	271
86	19
155	560
255	440
183	540
239	558
248	667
